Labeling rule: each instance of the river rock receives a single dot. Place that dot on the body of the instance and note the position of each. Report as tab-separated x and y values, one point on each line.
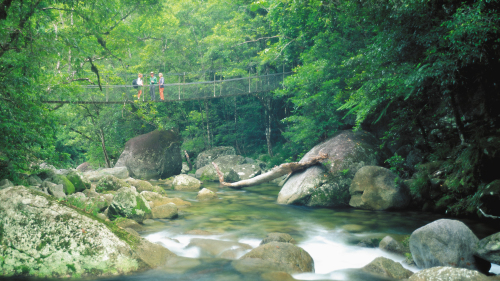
68	186
185	168
490	198
226	164
129	204
56	190
5	183
445	243
278	237
52	240
291	257
489	248
128	223
440	273
84	167
376	188
159	199
256	265
152	254
206	195
213	248
95	176
166	211
34	180
206	157
78	180
155	155
110	183
347	152
387	268
141	186
186	183
390	244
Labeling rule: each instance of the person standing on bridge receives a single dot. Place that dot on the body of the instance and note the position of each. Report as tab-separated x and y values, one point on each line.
152	82
140	84
162	81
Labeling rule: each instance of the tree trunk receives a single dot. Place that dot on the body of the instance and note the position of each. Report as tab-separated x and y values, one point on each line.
208	124
276	172
103	144
268	126
188	160
456	114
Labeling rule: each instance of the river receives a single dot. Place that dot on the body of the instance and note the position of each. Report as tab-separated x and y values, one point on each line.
330	236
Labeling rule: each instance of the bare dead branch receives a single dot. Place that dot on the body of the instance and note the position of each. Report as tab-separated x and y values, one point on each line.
276	172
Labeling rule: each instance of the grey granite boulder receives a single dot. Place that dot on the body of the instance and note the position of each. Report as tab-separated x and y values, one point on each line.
445	243
226	164
206	157
155	155
166	211
378	188
292	258
390	244
328	184
206	195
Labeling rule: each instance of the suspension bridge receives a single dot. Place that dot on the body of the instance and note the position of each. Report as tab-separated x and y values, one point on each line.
173	92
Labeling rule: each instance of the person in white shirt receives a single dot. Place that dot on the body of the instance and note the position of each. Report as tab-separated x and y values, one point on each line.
139	83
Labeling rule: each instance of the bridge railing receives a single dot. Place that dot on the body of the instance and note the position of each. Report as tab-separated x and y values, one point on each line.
172	91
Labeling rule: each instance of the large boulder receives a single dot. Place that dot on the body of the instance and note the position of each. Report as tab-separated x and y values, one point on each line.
185	182
155	155
68	186
43	238
378	188
387	268
445	243
128	203
489	248
226	164
95	176
278	237
207	156
293	259
440	273
328	184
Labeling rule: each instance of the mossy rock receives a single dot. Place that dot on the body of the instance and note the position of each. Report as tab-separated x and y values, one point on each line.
110	183
129	204
68	186
77	182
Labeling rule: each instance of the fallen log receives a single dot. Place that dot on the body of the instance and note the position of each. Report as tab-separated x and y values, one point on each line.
276	172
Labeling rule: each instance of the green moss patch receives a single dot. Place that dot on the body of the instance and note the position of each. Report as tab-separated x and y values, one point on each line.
77	182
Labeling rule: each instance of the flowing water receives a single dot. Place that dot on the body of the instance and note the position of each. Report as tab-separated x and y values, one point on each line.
330	236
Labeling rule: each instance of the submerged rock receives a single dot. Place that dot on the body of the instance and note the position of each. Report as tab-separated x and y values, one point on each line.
166	211
291	258
40	237
155	155
448	273
215	248
206	195
328	184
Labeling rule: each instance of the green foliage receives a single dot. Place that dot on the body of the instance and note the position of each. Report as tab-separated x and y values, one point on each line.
397	165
